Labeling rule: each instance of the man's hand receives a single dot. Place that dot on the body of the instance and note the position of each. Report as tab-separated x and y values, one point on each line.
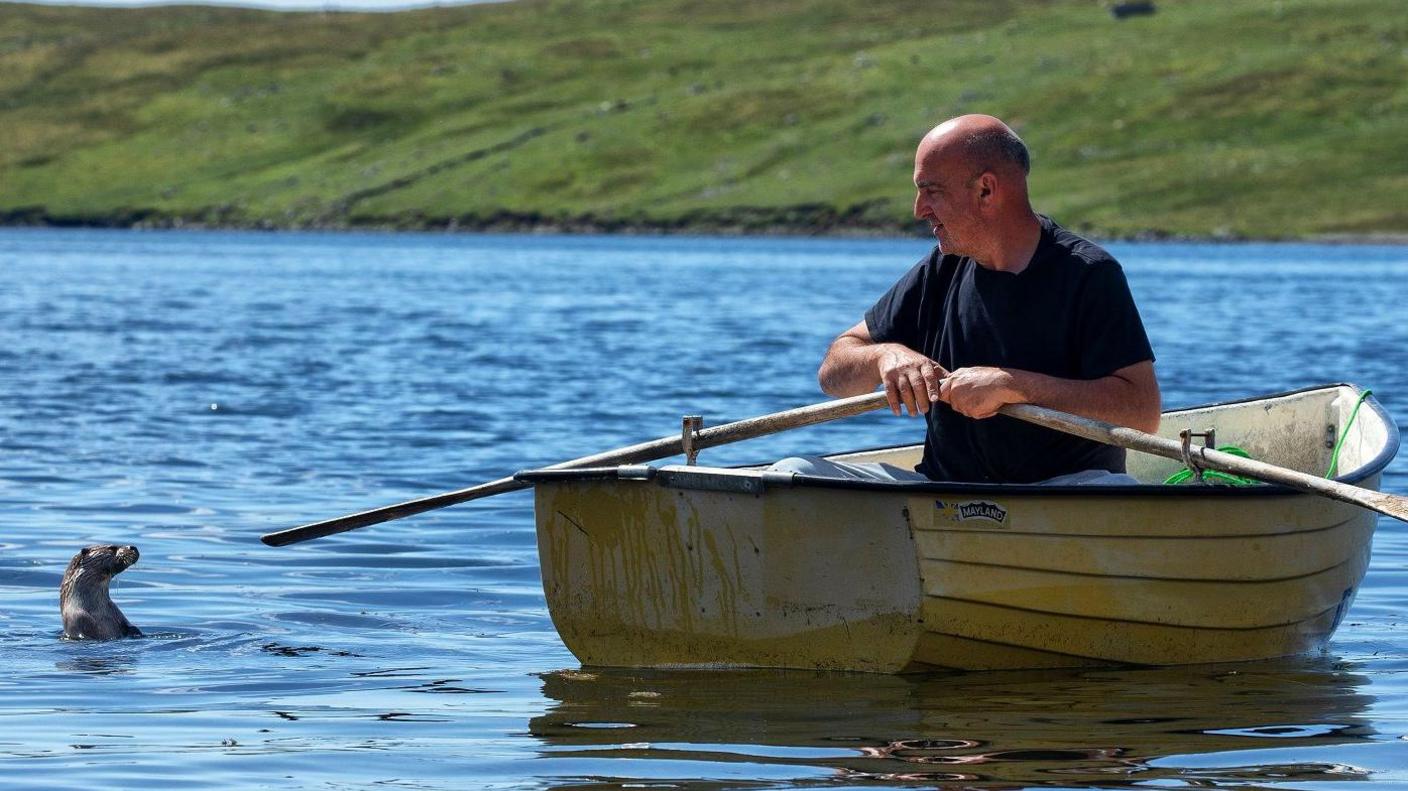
978	392
910	379
855	364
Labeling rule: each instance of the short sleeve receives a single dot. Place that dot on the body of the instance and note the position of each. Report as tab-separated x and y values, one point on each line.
896	316
1111	333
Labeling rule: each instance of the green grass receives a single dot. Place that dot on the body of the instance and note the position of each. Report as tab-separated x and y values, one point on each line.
1259	119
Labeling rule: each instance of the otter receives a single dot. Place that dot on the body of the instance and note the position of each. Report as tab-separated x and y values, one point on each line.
88	612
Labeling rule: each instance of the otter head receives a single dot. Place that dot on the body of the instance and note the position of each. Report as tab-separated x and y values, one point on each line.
102	560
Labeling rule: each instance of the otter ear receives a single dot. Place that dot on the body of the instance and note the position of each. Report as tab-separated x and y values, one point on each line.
83	553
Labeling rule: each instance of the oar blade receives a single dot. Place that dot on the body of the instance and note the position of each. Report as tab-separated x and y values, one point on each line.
342	524
322	529
1392	505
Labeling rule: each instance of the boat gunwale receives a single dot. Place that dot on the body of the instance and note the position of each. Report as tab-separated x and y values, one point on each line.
641	473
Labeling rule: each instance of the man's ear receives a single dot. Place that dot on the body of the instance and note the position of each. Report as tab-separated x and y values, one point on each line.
987	185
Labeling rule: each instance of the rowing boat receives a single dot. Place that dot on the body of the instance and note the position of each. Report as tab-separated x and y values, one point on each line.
692	565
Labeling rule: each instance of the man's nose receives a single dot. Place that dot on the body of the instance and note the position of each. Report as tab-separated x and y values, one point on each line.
919	207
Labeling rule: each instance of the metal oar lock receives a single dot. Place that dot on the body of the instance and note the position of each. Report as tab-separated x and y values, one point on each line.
1209	442
689	431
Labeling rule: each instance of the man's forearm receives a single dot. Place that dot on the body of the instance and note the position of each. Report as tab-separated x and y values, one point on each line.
851	367
855	364
1122	400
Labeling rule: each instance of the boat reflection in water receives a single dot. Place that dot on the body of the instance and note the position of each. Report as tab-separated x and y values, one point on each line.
987	730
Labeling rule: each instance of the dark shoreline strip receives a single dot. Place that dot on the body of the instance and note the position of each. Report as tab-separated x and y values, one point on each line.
802	219
863	220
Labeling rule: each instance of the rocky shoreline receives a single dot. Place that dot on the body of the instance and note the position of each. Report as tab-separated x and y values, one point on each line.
858	221
804	219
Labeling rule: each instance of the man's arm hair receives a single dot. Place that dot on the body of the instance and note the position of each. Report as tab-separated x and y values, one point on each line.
1127	397
856	363
851	366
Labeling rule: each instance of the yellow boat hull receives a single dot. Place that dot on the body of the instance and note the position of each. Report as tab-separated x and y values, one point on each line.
697	566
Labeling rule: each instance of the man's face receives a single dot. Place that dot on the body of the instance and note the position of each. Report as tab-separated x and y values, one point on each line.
943	198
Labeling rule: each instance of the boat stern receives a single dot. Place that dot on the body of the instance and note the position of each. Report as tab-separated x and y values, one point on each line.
712	567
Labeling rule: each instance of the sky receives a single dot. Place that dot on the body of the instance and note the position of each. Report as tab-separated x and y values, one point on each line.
282	5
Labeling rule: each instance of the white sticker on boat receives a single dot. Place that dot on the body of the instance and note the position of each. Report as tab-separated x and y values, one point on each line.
972	510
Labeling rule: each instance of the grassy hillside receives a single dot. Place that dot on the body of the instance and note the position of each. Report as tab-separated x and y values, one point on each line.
1270	119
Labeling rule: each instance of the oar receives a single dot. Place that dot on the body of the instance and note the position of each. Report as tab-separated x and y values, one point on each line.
1099	431
632	454
1387	504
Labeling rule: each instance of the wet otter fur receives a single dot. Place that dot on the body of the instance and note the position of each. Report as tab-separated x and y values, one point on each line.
88	612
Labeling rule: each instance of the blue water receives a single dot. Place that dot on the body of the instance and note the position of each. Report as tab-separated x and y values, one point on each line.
186	392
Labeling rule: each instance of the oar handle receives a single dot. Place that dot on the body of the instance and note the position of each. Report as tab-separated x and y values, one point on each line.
663	447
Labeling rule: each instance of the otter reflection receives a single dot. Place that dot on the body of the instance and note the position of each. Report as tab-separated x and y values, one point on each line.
990	730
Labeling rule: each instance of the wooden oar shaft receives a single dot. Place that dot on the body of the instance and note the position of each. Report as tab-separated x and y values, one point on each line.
1099	431
631	454
1388	504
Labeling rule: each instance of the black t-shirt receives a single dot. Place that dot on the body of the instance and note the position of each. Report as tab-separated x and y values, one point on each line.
1069	314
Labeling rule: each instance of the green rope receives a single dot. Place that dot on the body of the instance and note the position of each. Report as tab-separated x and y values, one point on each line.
1335	456
1215	476
1184	475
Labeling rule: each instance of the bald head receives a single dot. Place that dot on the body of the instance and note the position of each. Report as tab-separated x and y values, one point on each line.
970	177
980	142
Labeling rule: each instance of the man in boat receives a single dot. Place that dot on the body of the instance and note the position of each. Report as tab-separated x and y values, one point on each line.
1009	308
